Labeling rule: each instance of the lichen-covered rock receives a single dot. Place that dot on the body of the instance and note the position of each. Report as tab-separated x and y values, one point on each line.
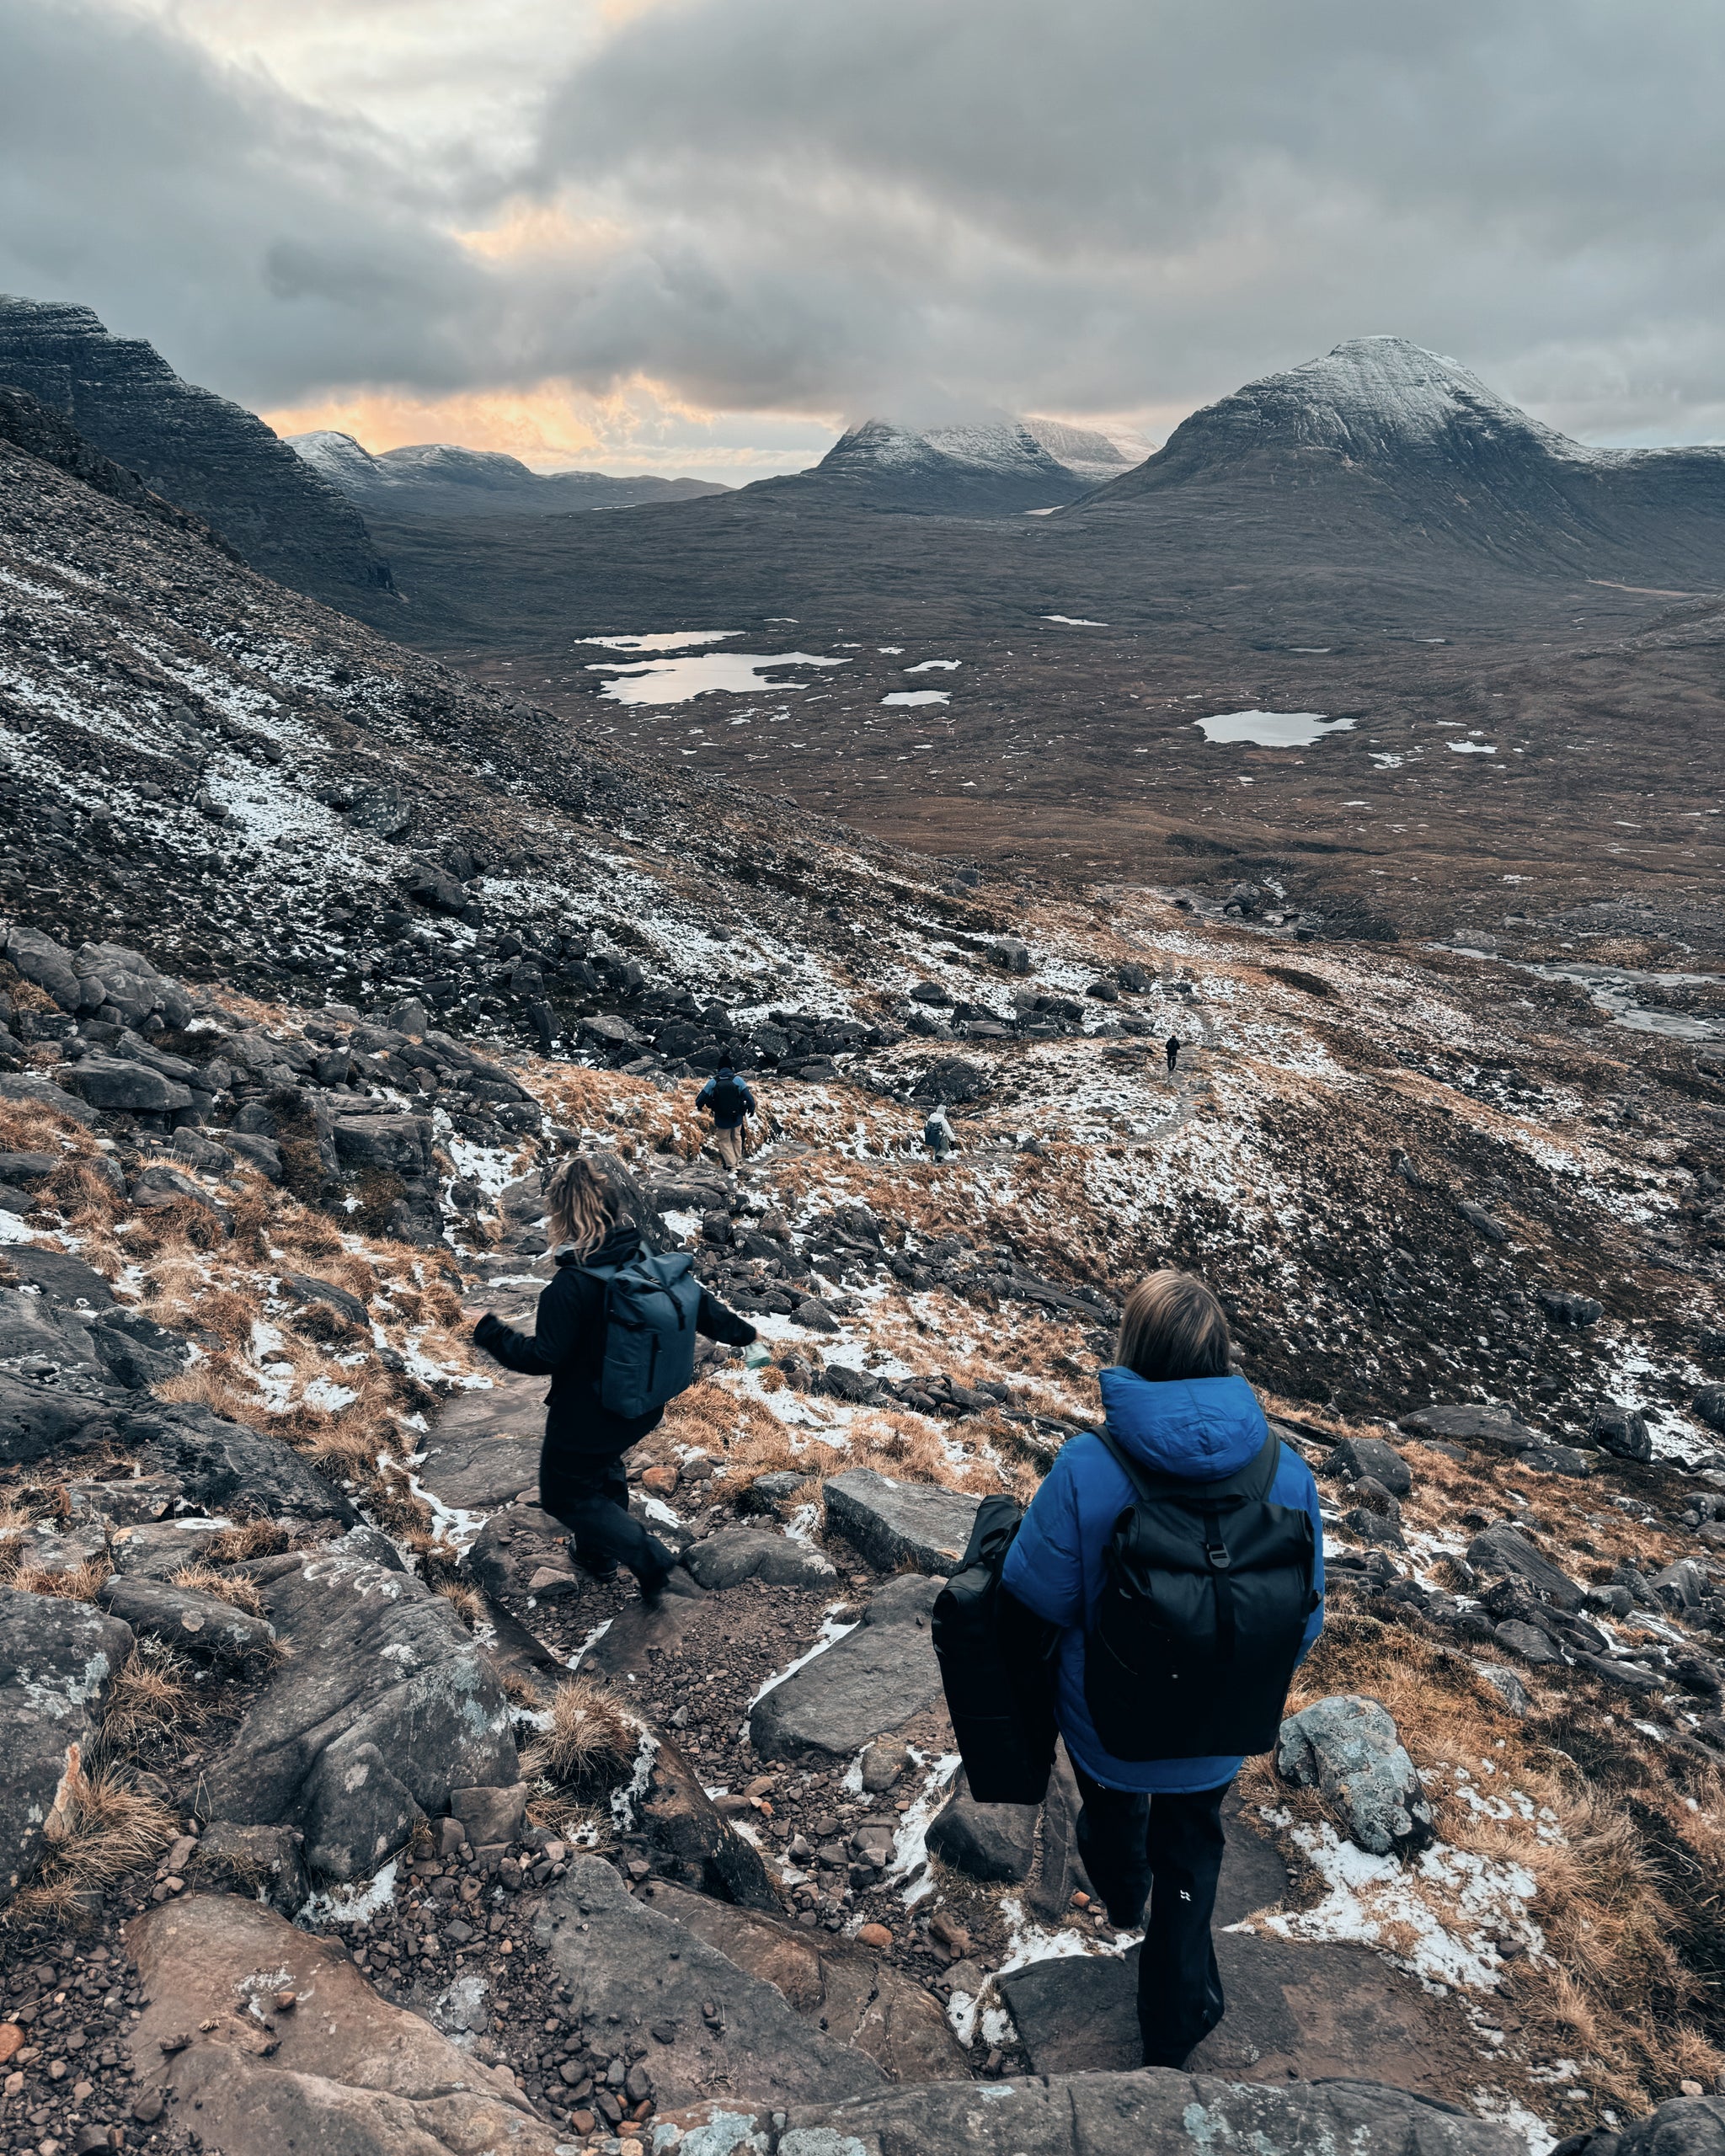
57	1660
384	1705
200	1624
1348	1748
742	1553
1357	1460
264	1864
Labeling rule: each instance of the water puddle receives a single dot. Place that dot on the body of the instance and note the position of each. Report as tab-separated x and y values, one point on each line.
663	640
679	681
1612	988
1070	621
935	666
1272	729
1472	748
917	697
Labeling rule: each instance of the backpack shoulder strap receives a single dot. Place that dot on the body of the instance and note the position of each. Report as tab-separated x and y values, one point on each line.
1141	1486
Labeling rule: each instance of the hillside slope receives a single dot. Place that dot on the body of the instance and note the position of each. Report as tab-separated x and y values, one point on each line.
216	460
442	479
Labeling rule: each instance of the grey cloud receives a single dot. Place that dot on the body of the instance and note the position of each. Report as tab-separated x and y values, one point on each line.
801	205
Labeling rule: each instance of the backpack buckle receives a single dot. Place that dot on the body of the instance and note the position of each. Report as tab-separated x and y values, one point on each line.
1216	1555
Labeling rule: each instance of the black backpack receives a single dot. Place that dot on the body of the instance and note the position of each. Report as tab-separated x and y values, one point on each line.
651	1305
728	1097
996	1661
1199	1626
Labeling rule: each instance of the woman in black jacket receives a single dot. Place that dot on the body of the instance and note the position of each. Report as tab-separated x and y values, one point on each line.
581	1478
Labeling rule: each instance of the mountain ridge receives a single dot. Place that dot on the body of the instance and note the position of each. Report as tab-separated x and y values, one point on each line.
447	479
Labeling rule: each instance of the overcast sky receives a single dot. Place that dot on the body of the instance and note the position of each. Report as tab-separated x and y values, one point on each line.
696	234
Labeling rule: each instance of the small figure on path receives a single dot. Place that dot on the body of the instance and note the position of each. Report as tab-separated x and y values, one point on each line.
1172	1046
609	1381
731	1103
938	1135
1223	1548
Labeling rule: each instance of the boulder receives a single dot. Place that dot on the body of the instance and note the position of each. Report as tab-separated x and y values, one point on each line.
894	1523
1357	1459
1487	1223
1130	2113
1620	1430
25	1087
33	1334
745	1553
118	1085
264	1863
624	1962
49	964
1527	1640
675	1810
1687	2125
1496	1551
136	1351
229	1466
1708	1406
1347	1748
986	1841
834	1982
1555	1460
489	1815
1512	1693
161	1186
345	2071
387	1705
57	1660
1491	1426
200	1624
394	1144
1681	1586
869	1683
40	1422
302	1288
1564	1308
63	1280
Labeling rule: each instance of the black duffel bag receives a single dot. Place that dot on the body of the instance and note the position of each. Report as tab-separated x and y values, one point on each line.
997	1664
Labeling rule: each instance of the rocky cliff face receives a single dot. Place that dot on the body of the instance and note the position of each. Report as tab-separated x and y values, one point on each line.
211	457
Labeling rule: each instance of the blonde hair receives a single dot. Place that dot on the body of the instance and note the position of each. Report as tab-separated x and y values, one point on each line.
580	1206
1172	1327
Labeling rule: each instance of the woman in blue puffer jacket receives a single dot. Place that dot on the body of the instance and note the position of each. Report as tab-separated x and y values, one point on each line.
1151	1828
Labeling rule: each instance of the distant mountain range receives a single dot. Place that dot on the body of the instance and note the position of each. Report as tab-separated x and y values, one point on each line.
197	449
441	479
1384	445
993	466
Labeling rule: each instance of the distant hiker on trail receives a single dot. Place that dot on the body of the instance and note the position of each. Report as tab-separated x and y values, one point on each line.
1172	1045
615	1333
1180	1550
938	1135
730	1101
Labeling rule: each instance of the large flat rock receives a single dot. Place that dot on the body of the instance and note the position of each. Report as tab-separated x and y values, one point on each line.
484	1446
1295	2010
57	1660
898	1524
231	1467
838	1986
872	1681
384	1704
728	2032
1147	2113
343	2073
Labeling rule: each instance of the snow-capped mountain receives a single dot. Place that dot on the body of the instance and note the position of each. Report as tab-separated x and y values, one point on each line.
1381	434
441	478
993	465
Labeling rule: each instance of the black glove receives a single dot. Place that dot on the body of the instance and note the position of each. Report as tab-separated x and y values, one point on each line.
490	1327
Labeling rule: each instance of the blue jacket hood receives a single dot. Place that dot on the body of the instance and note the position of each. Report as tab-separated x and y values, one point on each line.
1200	1428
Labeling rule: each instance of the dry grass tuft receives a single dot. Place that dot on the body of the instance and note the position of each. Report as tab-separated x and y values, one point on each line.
520	1690
252	1537
151	1696
467	1602
233	1588
75	1582
110	1830
590	1743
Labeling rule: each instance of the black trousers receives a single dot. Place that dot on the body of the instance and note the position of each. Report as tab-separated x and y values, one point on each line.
589	1494
1167	1850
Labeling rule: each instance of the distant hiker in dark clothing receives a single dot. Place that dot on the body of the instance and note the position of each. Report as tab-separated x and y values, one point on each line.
581	1478
938	1135
1172	1045
1152	1827
730	1101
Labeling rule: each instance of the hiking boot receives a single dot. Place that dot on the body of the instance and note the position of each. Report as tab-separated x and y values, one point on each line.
676	1584
595	1568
